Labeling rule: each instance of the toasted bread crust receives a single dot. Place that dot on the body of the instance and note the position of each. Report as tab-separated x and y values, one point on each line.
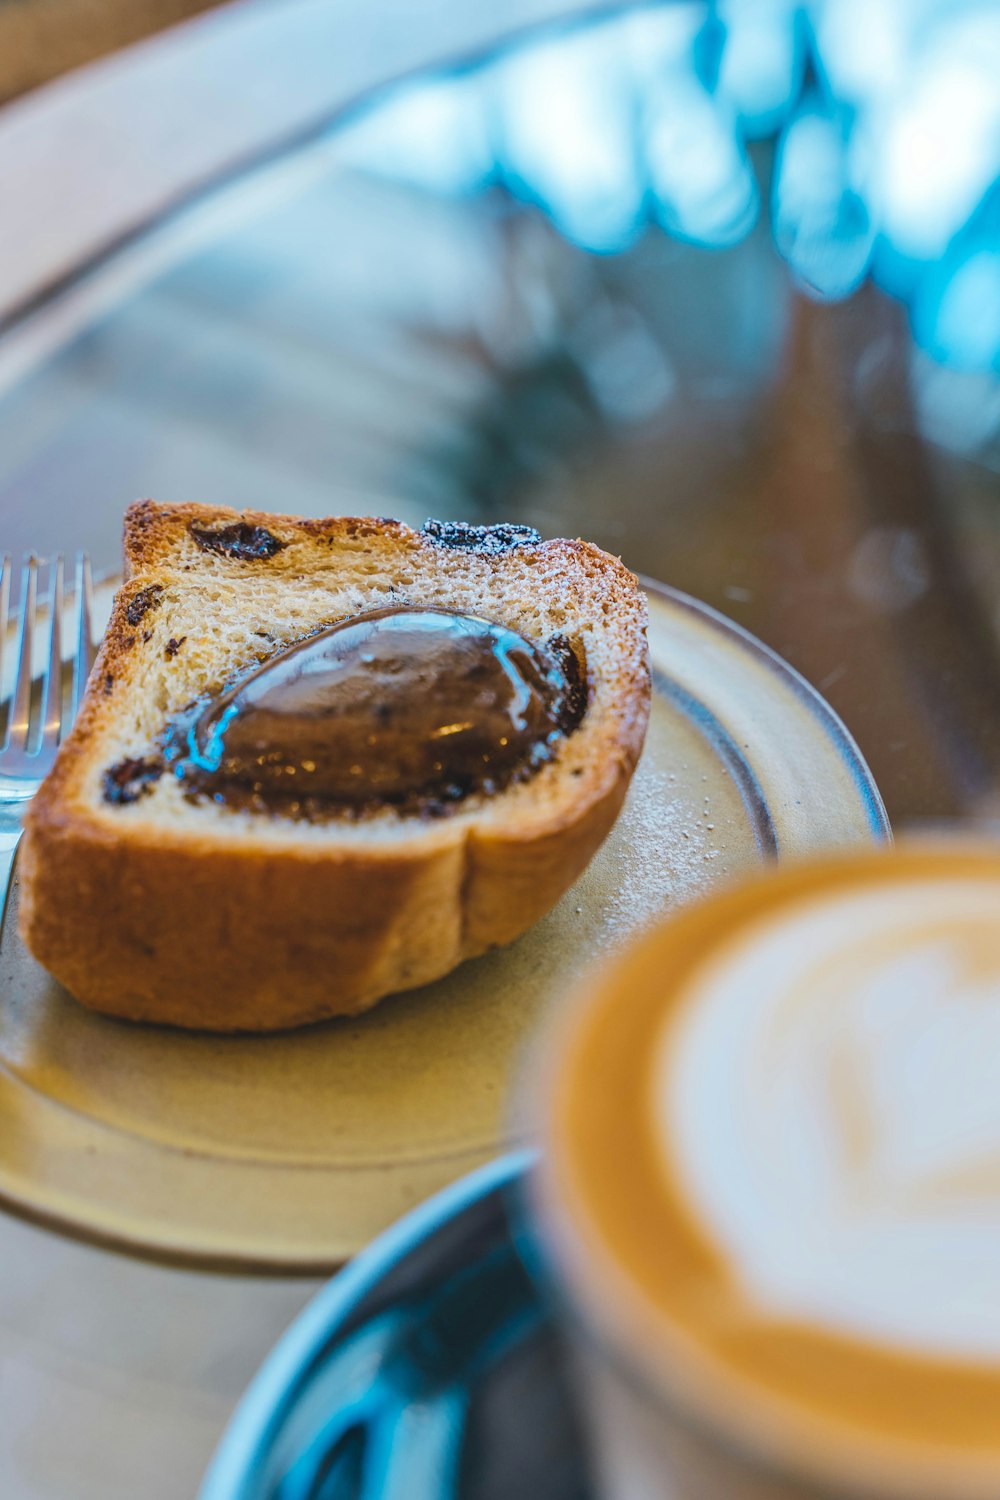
176	924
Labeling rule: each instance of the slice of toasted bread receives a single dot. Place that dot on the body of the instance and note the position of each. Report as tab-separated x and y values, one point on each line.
175	909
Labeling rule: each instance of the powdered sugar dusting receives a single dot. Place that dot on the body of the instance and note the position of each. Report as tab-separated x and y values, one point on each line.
660	856
670	844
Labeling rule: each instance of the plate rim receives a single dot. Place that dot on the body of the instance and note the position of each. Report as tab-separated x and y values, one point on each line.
819	707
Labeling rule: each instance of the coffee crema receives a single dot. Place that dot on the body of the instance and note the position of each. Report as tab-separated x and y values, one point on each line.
413	708
774	1153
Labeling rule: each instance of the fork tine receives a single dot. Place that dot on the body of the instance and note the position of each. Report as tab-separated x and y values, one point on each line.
20	716
83	660
52	680
5	572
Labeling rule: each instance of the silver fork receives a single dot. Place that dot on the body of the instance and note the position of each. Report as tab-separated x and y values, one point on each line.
31	739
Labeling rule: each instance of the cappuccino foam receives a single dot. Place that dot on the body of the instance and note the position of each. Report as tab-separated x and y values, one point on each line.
775	1157
831	1109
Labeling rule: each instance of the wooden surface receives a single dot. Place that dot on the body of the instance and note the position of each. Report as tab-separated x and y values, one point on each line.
40	39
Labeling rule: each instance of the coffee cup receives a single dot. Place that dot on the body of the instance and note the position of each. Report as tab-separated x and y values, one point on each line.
768	1197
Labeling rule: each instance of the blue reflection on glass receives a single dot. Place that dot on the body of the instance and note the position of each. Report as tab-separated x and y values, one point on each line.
959	322
566	139
761	67
703	187
432	135
642	120
967	326
821	223
932	142
861	47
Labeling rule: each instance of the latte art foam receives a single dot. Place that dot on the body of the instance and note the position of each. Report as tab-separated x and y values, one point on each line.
772	1174
828	1097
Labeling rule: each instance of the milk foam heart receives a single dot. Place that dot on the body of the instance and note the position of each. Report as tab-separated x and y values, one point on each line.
826	1095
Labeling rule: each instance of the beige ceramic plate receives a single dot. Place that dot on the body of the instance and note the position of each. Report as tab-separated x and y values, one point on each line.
292	1151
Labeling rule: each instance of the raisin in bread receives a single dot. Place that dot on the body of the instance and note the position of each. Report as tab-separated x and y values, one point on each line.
152	898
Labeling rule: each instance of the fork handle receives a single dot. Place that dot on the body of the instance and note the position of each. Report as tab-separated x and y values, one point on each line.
9	840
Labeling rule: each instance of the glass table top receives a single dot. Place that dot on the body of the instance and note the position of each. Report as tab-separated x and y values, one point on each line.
722	295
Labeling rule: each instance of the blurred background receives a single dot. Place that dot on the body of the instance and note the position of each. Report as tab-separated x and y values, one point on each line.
715	285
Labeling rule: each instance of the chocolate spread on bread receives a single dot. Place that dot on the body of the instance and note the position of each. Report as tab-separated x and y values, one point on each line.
414	708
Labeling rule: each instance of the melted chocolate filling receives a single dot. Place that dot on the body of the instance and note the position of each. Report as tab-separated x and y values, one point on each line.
403	707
